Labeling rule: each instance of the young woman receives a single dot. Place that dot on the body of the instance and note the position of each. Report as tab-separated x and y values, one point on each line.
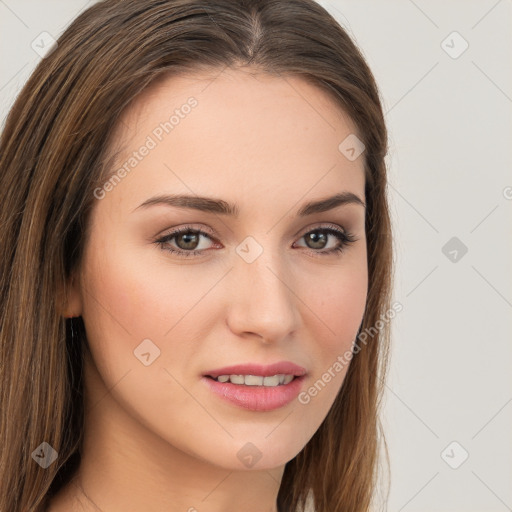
195	260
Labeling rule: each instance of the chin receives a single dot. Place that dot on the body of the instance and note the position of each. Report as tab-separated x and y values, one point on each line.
257	454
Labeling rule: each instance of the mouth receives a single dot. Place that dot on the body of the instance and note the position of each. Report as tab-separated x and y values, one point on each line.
257	388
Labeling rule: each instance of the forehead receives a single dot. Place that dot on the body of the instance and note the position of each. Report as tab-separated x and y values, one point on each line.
242	90
238	131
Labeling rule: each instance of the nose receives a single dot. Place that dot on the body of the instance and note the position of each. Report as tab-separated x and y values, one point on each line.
262	302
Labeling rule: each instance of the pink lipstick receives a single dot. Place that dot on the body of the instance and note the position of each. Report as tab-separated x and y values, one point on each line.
257	387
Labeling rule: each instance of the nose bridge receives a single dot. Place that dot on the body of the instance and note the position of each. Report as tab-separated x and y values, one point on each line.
263	301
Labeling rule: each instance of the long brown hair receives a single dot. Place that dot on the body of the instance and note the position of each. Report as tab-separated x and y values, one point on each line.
53	152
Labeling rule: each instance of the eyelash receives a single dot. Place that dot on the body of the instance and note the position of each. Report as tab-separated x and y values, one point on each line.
344	237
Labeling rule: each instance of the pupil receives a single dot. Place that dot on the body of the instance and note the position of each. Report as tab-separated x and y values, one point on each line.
315	236
192	239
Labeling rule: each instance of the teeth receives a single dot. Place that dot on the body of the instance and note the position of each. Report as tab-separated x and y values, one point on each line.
288	379
251	380
275	380
256	380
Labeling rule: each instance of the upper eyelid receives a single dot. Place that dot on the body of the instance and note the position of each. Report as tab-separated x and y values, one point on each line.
210	232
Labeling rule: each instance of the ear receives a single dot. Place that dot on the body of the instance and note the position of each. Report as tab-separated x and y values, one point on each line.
70	303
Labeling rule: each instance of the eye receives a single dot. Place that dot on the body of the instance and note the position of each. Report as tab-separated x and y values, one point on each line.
187	240
319	238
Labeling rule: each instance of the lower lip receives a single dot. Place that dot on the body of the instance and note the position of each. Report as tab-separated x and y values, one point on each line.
256	398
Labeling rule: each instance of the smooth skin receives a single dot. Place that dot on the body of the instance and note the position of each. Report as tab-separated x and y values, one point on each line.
156	438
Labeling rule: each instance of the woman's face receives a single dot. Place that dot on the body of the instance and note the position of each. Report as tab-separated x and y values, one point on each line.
261	286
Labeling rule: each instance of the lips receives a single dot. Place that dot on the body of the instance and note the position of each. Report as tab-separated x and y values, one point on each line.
282	367
251	395
255	398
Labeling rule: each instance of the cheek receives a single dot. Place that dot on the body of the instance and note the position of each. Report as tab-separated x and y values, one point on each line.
127	304
340	301
117	296
344	307
129	301
337	309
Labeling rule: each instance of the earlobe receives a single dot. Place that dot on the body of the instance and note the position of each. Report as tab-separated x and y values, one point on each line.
70	303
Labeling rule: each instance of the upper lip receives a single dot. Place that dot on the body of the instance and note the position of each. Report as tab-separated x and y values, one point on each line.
282	367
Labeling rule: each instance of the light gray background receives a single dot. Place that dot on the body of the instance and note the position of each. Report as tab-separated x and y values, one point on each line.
450	128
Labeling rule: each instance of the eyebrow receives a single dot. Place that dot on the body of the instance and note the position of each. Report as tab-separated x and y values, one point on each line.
219	206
